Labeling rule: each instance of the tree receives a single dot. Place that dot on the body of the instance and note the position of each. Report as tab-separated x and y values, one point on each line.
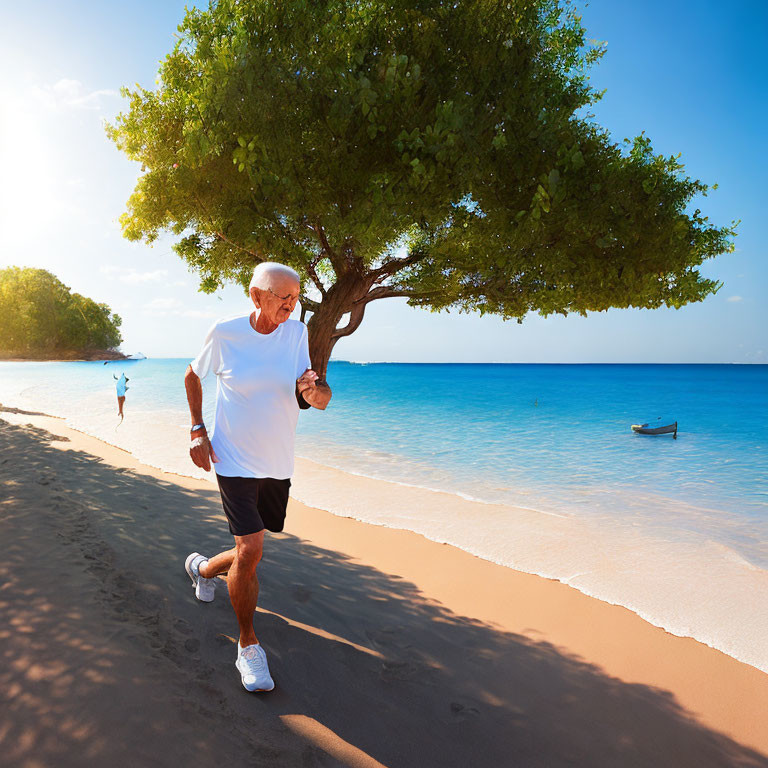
38	314
438	151
90	325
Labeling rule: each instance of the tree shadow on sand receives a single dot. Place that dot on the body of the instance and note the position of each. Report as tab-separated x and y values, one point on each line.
144	672
19	411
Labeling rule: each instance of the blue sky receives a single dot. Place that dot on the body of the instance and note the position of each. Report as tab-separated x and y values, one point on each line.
691	74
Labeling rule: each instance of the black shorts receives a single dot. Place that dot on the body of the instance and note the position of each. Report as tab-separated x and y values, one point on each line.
252	504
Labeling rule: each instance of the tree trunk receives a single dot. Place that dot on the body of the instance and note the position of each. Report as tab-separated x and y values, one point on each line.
323	324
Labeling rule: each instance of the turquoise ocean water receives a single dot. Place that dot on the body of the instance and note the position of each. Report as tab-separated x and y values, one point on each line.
553	439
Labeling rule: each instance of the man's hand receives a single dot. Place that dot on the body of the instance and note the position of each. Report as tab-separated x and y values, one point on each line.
306	381
316	393
202	453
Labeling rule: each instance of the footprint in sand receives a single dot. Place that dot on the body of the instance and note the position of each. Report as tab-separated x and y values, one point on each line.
461	711
182	626
191	645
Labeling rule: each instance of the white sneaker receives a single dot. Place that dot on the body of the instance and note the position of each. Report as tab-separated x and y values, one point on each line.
254	670
204	588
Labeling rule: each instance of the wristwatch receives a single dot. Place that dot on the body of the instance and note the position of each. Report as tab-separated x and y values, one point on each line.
197	427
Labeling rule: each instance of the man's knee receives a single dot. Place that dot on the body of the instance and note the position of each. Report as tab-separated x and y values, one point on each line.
249	549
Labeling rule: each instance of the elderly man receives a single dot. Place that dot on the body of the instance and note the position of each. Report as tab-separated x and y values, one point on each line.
262	365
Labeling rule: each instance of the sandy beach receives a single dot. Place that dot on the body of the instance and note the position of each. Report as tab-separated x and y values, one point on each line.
386	648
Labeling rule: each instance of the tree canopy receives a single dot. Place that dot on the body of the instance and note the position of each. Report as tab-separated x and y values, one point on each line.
439	151
41	316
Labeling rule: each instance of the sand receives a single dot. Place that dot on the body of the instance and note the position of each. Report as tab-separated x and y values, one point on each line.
386	648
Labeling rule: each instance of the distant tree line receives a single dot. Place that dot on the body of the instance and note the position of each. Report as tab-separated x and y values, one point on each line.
40	315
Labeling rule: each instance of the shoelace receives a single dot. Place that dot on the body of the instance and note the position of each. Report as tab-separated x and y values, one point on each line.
253	659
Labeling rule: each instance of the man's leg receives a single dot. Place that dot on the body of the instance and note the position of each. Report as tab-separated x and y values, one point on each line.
242	582
218	564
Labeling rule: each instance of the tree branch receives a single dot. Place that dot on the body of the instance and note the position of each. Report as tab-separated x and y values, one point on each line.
323	239
351	263
202	121
332	255
258	256
315	278
308	304
390	267
355	318
386	292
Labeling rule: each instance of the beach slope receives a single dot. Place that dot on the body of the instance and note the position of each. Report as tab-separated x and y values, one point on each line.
386	648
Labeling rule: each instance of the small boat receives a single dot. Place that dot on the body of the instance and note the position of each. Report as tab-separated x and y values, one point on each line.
136	356
656	428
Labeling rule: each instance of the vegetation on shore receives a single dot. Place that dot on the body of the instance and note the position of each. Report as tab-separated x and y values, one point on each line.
440	152
41	319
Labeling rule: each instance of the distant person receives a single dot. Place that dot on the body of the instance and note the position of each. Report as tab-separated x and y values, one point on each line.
121	388
264	377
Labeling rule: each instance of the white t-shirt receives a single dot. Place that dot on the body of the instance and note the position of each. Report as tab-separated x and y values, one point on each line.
256	408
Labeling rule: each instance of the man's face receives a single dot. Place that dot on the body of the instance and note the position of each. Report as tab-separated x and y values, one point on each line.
279	300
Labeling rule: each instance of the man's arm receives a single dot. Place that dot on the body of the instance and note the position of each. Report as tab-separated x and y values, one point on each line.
318	395
201	449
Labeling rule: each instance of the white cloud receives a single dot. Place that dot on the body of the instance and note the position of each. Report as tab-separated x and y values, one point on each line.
68	89
170	307
71	94
734	299
144	277
132	277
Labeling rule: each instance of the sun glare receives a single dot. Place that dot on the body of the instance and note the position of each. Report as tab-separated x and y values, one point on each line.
28	162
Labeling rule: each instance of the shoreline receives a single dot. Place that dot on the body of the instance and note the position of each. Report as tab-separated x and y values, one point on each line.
556	547
106	355
670	586
715	690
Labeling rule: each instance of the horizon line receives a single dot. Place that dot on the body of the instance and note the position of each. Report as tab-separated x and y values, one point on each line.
497	362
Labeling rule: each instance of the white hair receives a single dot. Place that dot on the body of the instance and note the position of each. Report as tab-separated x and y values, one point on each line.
266	270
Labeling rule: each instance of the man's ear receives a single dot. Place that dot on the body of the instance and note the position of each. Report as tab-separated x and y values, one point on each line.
254	293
